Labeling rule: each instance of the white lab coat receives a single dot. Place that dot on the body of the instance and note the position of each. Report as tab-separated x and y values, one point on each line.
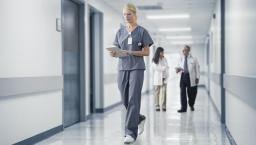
193	68
159	69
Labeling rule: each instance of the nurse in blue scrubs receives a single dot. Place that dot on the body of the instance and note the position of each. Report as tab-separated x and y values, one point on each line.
135	41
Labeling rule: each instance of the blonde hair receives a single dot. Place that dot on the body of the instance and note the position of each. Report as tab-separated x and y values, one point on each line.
131	7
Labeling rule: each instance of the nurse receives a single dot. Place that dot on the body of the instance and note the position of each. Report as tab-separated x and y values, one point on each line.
135	41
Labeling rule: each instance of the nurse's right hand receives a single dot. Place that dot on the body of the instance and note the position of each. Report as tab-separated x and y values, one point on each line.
112	53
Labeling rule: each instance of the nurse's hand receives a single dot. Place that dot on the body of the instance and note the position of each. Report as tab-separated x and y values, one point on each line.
112	53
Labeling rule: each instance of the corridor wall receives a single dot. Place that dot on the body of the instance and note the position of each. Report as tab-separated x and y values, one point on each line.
215	57
240	76
31	69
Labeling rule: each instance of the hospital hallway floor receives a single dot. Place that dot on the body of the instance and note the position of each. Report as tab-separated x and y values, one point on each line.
201	127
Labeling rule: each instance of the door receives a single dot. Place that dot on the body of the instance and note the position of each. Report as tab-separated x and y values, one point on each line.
96	60
208	61
92	62
71	62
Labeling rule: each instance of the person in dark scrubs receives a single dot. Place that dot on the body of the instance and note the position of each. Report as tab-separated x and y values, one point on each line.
135	41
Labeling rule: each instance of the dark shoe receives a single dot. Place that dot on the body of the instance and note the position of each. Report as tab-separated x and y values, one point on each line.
181	111
164	109
141	125
192	108
157	108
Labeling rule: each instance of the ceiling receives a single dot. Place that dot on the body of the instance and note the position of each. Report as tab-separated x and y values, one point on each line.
200	12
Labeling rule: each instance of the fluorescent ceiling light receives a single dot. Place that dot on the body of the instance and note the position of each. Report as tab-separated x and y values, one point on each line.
178	37
177	16
178	138
182	42
174	29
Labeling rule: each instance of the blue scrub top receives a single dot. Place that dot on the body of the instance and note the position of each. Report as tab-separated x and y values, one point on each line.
140	39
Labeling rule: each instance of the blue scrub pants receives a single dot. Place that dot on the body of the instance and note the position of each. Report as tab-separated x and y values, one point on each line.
130	84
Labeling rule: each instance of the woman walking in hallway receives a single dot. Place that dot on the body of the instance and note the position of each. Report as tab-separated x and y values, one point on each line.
135	41
161	74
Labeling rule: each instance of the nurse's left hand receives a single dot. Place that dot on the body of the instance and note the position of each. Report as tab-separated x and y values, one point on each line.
112	53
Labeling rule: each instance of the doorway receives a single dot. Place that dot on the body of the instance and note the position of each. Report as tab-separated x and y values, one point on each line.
96	59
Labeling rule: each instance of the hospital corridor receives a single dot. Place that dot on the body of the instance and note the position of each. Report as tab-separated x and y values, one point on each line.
127	72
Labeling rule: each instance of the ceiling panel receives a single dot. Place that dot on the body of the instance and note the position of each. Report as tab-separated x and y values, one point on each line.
200	12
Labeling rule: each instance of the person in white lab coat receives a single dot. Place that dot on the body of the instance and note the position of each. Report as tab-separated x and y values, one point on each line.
161	74
189	69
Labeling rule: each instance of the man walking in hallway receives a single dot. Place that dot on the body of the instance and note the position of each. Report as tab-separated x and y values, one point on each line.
189	69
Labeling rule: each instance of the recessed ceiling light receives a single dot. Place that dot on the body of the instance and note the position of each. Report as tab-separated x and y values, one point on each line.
174	29
174	16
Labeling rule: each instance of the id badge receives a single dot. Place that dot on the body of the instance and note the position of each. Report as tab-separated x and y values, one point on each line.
130	40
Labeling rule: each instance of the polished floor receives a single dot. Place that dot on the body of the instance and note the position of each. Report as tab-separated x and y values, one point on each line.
201	127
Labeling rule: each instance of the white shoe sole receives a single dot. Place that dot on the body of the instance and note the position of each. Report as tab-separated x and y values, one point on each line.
141	127
129	140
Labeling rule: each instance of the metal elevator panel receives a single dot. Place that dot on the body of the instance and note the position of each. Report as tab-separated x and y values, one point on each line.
71	61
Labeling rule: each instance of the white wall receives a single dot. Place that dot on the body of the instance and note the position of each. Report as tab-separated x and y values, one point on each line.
215	55
205	67
25	116
29	42
215	92
198	51
240	40
240	60
29	47
240	120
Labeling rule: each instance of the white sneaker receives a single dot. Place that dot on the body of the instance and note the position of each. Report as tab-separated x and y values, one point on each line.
141	126
128	139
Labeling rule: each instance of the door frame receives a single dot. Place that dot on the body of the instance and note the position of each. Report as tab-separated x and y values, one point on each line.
97	61
223	63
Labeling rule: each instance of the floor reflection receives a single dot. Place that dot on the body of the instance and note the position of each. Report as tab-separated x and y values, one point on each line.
201	127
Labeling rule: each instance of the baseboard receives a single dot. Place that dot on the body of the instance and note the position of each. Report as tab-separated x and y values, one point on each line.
41	136
230	137
211	100
99	110
215	107
88	117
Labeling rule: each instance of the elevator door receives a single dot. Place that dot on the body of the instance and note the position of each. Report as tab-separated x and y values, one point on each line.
71	61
